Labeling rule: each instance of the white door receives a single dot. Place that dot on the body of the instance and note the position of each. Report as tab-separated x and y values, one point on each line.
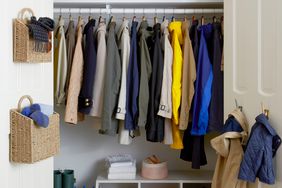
17	80
253	62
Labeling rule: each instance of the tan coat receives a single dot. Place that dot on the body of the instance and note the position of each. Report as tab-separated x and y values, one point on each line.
230	154
188	77
71	115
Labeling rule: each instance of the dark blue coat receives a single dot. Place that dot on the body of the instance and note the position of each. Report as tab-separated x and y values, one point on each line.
89	68
261	148
132	83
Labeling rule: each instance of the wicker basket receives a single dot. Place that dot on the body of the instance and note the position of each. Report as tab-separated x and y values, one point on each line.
30	143
23	44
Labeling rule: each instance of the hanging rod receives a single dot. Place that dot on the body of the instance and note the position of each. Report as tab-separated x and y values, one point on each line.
138	3
136	11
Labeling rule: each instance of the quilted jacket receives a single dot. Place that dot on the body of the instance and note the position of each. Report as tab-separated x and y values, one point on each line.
261	148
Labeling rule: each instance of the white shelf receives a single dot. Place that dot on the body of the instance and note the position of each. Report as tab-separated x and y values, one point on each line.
176	177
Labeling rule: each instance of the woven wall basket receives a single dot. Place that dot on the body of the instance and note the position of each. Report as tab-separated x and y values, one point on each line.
30	143
24	45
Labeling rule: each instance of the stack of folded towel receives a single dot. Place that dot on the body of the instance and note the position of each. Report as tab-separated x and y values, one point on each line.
121	167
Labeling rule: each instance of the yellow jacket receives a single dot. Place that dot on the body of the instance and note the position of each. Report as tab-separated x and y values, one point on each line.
176	42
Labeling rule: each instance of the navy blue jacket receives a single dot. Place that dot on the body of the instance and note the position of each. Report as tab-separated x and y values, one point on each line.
261	148
132	83
89	68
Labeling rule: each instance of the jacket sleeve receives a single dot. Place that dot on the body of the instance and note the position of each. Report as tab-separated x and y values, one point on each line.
252	160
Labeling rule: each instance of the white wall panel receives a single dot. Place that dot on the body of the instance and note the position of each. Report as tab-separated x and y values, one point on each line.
17	80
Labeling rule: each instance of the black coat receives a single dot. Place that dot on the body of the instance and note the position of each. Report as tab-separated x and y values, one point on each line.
155	123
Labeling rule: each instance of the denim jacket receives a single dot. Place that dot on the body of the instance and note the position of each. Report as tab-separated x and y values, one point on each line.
261	148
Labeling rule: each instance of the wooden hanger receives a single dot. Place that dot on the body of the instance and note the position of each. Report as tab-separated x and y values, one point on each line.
214	19
265	111
143	18
134	18
155	20
202	20
193	18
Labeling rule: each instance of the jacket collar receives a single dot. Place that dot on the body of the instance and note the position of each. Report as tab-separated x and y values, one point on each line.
262	119
122	27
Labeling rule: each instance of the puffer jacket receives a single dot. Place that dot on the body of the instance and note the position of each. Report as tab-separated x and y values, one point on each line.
230	152
261	148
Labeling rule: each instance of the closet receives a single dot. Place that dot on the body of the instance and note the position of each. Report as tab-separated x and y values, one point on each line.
244	50
252	75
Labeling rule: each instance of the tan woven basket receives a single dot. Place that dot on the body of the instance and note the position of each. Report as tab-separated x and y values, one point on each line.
23	44
30	143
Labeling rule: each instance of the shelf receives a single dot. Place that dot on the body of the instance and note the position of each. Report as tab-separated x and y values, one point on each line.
197	176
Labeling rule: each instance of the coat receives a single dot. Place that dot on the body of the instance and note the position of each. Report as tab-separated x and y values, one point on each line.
203	84
165	107
261	148
70	42
112	84
155	124
188	77
132	83
71	114
216	105
228	147
85	100
60	63
145	72
99	80
124	47
176	42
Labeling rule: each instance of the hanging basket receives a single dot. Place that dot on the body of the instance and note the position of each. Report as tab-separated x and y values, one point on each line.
30	143
24	45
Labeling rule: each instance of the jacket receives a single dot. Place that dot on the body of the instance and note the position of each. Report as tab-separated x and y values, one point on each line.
145	72
124	47
99	80
132	83
112	84
85	101
176	42
165	107
70	42
203	84
194	36
155	124
228	147
71	114
188	77
60	63
216	105
261	148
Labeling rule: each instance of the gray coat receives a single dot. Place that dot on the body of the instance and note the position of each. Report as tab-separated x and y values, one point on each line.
112	84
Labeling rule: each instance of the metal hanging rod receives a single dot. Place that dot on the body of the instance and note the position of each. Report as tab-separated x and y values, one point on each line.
137	11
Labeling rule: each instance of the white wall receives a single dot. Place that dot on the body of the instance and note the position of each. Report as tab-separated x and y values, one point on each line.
15	81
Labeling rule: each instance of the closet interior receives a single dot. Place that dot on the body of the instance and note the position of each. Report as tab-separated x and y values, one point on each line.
83	147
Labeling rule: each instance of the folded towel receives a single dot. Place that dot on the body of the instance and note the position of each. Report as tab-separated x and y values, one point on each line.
40	119
120	159
122	169
123	176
